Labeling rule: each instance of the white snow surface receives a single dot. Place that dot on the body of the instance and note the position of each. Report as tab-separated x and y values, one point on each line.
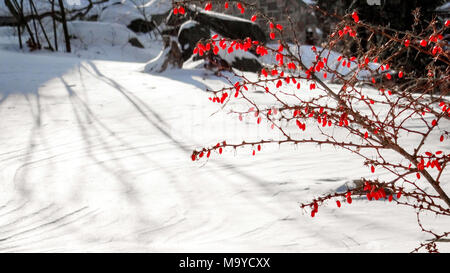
109	41
95	156
120	14
187	24
99	33
132	10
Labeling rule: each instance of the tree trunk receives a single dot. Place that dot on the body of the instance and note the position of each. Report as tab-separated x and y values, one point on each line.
64	23
55	36
36	34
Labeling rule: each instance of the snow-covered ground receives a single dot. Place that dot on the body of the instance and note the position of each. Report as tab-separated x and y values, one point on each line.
95	156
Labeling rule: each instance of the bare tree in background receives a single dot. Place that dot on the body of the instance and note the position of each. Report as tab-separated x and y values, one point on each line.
64	24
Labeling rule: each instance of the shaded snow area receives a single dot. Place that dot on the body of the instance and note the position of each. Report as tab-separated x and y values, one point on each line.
95	156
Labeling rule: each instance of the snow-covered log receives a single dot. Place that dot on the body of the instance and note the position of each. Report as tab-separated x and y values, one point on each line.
189	34
192	31
225	25
169	58
139	18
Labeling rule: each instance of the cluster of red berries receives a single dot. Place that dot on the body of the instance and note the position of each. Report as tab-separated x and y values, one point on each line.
433	161
215	45
445	107
344	31
374	192
207	152
220	100
272	27
434	38
179	10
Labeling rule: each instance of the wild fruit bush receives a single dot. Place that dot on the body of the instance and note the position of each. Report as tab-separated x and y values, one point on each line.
376	124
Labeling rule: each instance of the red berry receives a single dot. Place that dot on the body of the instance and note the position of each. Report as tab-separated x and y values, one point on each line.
272	35
338	203
279	83
436	49
181	10
264	72
400	74
253	18
280	48
355	17
372	168
423	43
175	11
226	5
407	42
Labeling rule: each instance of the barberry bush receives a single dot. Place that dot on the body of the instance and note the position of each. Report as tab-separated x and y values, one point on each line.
392	120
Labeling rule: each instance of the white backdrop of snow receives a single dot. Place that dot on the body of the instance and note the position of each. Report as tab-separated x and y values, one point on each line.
95	156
